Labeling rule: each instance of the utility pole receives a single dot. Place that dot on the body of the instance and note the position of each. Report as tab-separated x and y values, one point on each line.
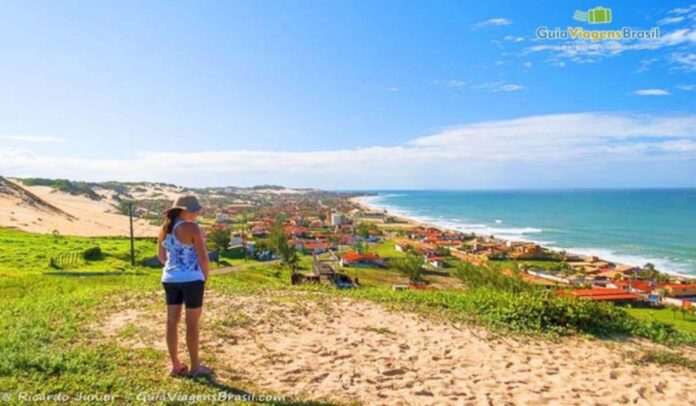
244	236
132	243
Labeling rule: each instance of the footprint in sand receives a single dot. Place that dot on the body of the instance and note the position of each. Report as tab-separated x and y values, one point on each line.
319	378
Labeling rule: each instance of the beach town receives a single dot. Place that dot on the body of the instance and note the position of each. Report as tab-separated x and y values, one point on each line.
352	234
317	296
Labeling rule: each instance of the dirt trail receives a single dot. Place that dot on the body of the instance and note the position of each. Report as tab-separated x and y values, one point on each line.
349	350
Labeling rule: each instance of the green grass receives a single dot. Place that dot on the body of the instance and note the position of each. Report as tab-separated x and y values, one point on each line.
516	264
385	249
48	342
669	358
681	322
27	253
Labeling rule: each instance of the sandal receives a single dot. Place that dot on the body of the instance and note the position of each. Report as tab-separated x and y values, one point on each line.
182	370
201	370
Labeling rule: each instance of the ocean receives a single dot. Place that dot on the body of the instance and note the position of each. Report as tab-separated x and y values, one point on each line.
626	226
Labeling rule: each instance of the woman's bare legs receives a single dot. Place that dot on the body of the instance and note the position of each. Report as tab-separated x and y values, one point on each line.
173	318
193	317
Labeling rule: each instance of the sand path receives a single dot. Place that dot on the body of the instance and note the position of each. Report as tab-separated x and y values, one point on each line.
349	351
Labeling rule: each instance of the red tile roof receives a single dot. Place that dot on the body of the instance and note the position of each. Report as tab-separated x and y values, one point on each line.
643	286
680	285
599	294
434	258
357	256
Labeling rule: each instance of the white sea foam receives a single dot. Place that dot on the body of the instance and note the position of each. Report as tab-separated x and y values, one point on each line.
664	265
523	234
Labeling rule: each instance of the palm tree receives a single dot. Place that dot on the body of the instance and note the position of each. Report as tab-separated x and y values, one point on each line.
411	265
360	247
219	237
280	243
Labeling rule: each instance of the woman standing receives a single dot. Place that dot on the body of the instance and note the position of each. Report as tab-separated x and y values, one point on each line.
181	248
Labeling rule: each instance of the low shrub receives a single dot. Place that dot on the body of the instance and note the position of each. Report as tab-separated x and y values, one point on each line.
475	276
509	302
662	357
537	310
93	254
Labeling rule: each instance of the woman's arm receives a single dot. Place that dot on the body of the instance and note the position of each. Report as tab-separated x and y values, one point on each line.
161	251
201	250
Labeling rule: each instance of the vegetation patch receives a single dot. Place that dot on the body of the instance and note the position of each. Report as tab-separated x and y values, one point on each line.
64	185
669	358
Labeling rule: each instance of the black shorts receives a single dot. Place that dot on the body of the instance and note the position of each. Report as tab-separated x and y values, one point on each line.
190	293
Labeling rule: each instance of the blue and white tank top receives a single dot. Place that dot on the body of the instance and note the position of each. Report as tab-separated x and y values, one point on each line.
182	260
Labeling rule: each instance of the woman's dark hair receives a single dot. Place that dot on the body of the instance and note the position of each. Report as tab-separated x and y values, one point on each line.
169	220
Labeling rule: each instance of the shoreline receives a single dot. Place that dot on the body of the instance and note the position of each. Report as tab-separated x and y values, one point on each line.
360	201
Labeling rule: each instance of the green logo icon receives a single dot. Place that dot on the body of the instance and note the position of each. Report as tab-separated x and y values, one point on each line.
597	15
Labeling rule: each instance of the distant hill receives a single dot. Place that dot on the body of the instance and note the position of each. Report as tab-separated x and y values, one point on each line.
100	208
267	187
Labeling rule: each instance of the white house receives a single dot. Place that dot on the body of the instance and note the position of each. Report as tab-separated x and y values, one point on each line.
435	261
336	219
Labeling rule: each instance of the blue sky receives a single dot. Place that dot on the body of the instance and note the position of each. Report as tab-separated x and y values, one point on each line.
347	94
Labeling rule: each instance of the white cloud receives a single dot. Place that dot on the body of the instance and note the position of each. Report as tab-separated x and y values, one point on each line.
499	86
492	22
513	38
688	11
392	89
645	64
684	61
493	87
677	37
560	132
687	88
671	20
651	92
30	138
679	146
683	10
580	138
454	83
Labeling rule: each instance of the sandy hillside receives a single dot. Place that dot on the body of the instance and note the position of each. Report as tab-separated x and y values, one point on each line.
43	209
351	351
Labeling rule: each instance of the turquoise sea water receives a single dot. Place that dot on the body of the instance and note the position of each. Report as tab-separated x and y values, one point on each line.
627	226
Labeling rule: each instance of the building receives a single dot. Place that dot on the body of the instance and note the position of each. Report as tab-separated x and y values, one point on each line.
436	261
601	295
637	286
679	289
312	246
526	251
260	232
336	219
358	259
567	280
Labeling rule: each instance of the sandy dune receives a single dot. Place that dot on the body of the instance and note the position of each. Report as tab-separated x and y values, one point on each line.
351	351
81	215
